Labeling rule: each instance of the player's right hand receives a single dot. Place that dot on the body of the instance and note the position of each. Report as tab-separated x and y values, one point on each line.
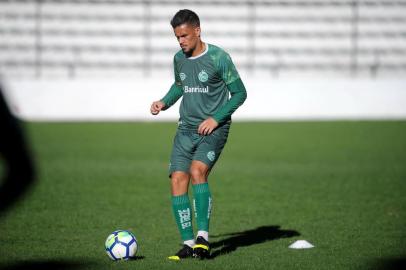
156	107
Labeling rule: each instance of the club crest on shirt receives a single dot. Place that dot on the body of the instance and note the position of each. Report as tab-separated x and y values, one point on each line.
203	76
182	76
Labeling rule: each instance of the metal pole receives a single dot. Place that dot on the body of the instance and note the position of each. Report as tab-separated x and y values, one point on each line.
354	37
147	38
251	36
38	39
375	65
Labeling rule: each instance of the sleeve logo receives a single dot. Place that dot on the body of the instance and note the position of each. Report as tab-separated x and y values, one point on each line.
182	76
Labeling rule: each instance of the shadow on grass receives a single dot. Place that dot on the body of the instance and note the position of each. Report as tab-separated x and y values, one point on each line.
232	241
53	264
46	265
389	264
137	258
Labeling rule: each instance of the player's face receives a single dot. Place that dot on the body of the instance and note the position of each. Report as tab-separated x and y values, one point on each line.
188	37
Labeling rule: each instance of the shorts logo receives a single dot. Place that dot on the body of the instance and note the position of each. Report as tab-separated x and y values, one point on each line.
203	76
211	155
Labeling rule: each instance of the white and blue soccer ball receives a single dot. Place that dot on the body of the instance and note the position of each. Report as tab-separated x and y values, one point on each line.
121	245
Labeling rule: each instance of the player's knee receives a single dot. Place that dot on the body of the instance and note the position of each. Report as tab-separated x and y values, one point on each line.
198	175
179	179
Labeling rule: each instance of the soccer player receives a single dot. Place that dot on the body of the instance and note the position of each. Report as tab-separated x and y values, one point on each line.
205	77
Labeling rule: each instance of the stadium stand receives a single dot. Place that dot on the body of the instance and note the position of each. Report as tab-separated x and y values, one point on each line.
87	38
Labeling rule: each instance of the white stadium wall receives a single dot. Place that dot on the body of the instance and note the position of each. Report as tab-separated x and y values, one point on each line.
129	100
299	59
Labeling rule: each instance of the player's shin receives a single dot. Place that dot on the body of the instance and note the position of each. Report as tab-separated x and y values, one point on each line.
183	215
202	206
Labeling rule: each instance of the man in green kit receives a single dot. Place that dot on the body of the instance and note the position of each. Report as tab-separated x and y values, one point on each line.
205	77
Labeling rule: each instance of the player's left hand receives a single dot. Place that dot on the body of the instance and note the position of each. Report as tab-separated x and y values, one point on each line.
207	126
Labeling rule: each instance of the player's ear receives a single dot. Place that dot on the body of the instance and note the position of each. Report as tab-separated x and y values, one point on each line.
197	31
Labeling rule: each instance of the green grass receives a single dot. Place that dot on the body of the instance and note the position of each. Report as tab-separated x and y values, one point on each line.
339	185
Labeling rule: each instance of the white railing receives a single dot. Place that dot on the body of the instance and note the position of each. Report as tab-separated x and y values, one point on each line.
72	38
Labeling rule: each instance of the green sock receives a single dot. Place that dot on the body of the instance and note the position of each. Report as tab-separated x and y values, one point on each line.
183	216
202	205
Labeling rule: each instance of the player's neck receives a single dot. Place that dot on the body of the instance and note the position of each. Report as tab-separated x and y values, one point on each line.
200	48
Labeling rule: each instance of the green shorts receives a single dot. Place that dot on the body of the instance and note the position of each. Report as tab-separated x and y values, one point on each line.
188	145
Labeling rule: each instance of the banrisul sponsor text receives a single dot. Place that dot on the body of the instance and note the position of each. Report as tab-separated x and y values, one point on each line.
188	89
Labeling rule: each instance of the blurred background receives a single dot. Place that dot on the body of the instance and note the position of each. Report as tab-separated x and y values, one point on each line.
96	60
338	183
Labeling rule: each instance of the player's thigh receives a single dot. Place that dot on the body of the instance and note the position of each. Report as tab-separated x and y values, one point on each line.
181	155
209	149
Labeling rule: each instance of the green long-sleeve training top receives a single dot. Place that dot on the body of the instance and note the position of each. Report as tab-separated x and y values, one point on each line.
210	86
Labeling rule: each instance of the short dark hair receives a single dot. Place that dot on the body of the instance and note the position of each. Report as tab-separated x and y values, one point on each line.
185	16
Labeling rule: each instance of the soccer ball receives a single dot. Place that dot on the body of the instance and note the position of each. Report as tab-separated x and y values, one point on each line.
121	245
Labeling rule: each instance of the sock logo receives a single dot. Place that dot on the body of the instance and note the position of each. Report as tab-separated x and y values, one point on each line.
194	207
209	208
185	218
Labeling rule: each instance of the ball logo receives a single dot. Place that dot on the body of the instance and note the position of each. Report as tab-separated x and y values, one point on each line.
182	76
203	76
211	155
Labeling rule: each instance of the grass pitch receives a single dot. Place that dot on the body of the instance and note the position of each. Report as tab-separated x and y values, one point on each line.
339	185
